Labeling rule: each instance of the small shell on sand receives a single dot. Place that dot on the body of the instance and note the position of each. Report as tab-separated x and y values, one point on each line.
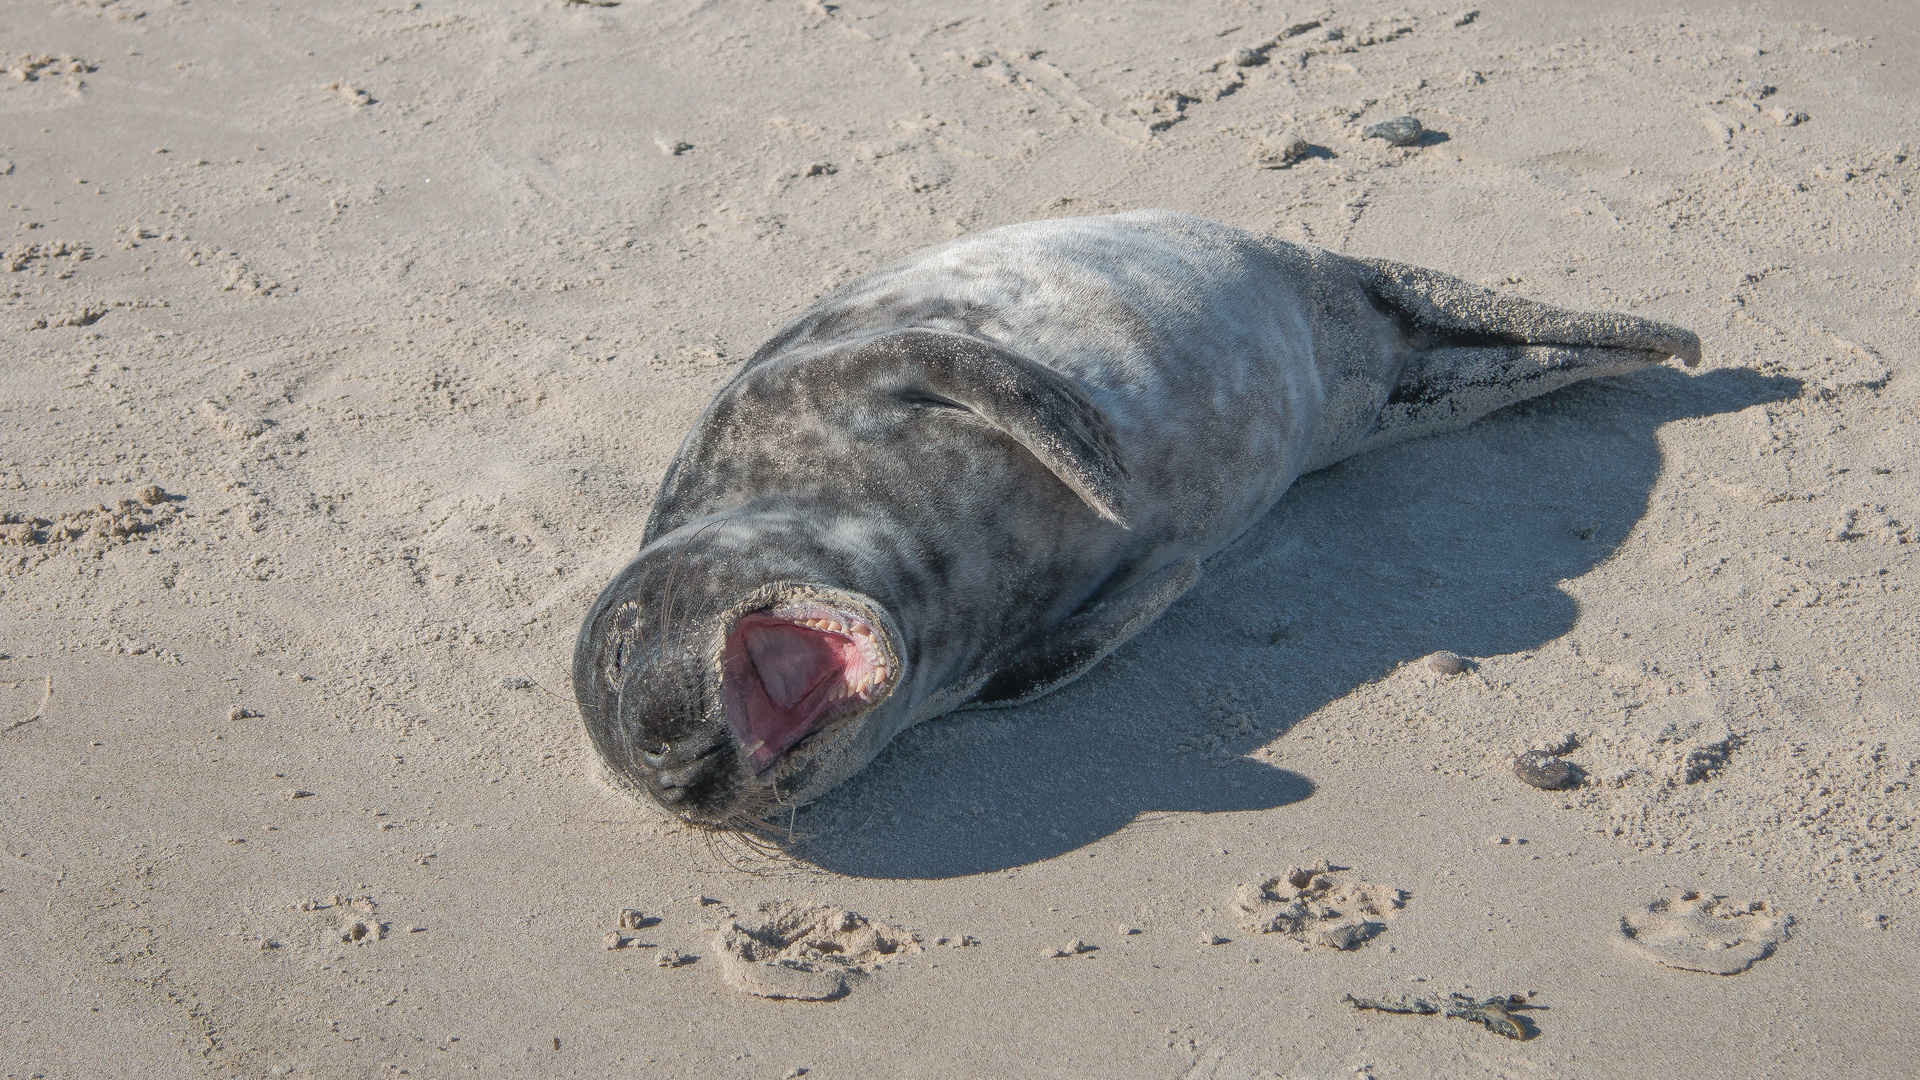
1399	131
1281	150
1544	771
1447	663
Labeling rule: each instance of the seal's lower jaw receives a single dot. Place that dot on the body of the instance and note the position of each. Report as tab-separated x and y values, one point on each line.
790	670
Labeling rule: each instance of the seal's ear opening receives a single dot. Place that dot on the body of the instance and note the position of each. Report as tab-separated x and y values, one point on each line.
1041	409
788	670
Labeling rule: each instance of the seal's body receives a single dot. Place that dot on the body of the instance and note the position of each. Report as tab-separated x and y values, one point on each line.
965	478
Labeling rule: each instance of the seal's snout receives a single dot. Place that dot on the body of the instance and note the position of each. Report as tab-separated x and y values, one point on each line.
790	669
696	767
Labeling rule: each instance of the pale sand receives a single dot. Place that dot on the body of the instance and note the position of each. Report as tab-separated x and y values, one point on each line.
418	300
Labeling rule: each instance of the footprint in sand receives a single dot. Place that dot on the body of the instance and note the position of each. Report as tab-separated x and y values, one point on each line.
1318	905
806	953
1697	932
354	917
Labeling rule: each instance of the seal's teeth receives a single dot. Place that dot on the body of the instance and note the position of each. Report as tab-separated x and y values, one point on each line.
856	630
873	679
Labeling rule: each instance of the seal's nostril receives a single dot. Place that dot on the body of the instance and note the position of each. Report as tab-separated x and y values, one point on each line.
684	777
695	768
653	760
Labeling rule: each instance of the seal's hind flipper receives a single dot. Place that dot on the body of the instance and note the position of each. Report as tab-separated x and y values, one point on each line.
1444	389
1085	639
1472	350
1438	310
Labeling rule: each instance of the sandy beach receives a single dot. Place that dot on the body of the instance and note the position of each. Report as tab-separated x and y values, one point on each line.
346	344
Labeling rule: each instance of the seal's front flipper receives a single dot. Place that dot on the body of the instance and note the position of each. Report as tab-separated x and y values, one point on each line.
1085	638
1041	409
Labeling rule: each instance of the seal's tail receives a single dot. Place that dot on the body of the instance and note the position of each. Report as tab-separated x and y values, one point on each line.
1474	350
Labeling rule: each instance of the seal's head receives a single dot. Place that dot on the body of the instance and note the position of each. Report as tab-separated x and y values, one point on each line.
719	710
753	654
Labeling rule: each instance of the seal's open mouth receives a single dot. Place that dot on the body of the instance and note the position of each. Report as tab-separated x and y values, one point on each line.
789	669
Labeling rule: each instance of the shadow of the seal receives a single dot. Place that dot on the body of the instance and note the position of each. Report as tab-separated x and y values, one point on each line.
1456	542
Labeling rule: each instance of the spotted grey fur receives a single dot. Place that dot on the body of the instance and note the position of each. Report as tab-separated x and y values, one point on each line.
1010	453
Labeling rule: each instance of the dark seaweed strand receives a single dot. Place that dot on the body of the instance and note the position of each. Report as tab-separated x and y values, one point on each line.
1494	1013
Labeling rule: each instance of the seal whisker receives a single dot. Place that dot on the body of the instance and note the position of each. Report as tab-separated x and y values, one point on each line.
670	640
538	685
726	840
675	636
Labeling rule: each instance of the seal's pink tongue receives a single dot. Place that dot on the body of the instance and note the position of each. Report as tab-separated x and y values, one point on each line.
782	677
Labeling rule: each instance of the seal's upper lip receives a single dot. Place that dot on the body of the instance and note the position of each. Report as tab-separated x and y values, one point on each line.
788	669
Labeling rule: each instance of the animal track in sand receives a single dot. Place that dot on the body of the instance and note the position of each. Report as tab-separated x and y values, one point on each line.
58	258
806	953
96	528
354	917
43	67
1698	932
1318	905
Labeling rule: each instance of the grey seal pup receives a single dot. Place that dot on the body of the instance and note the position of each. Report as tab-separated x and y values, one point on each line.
962	480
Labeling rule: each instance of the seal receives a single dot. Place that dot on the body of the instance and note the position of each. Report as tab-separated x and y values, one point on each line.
963	479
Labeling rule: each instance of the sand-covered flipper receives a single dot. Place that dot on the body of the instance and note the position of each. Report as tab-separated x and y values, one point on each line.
1476	350
1439	310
